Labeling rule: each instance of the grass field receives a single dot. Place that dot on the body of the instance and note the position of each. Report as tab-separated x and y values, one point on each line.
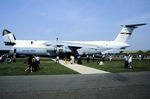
118	66
47	67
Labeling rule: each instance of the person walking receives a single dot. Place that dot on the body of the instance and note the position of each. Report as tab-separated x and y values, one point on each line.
87	58
34	63
65	60
79	60
29	68
37	60
140	57
71	59
0	58
93	57
126	61
130	62
110	58
57	59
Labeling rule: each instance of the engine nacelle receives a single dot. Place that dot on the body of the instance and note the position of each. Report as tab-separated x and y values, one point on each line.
63	49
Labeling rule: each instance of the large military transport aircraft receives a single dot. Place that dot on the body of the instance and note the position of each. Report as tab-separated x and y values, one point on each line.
53	48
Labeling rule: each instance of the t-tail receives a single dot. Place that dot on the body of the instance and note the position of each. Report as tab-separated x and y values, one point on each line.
8	37
126	32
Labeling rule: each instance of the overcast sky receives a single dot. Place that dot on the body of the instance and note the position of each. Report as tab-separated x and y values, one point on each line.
84	20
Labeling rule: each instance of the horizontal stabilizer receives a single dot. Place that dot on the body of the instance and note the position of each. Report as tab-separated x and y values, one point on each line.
134	25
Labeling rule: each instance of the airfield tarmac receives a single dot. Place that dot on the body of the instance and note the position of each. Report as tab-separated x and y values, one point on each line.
130	85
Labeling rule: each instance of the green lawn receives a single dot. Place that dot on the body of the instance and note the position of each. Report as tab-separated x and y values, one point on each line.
47	67
118	66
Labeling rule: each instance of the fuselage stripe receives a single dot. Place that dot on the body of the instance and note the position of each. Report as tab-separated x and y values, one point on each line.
125	33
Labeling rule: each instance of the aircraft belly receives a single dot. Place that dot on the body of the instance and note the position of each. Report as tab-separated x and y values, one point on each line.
31	51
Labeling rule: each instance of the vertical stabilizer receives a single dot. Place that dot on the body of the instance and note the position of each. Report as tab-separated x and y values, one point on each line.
8	37
126	32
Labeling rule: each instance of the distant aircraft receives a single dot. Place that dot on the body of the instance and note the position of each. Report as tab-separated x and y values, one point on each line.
53	48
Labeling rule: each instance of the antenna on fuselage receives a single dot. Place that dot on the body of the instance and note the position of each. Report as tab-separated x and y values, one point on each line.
57	39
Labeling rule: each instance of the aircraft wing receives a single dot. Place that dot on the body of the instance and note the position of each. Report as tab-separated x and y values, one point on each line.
74	45
71	45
